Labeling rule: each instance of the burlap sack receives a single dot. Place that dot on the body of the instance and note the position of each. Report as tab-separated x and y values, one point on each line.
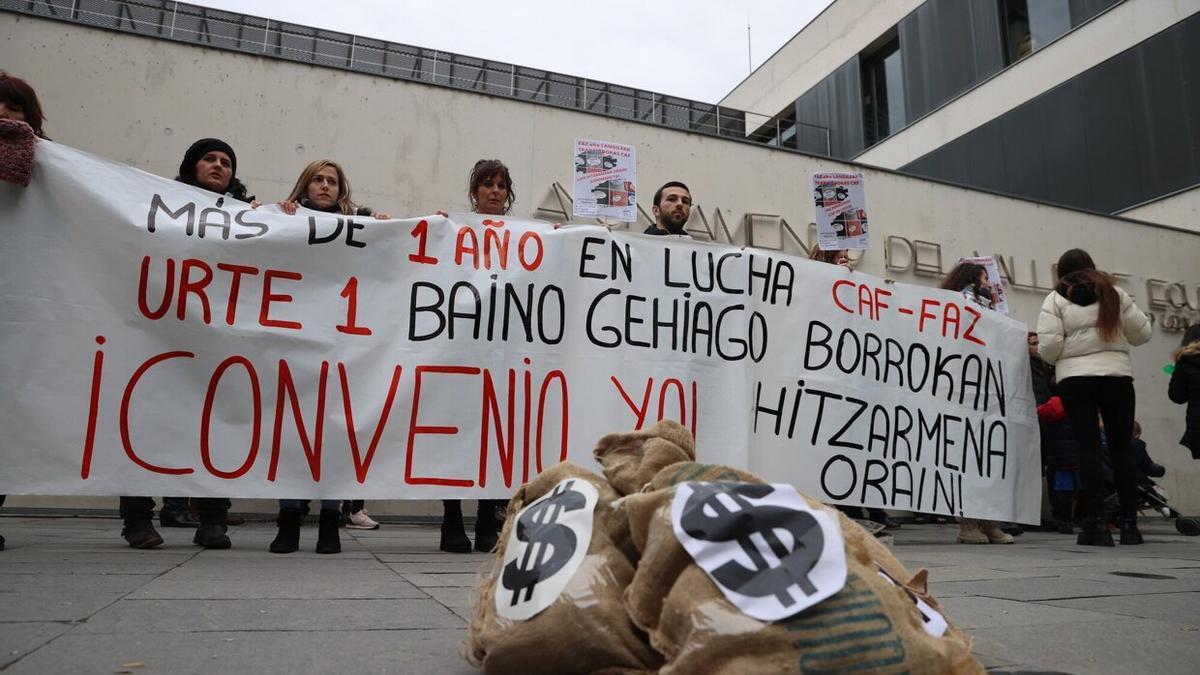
586	629
632	459
870	625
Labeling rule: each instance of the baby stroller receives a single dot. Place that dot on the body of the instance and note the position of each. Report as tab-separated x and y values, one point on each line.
1150	496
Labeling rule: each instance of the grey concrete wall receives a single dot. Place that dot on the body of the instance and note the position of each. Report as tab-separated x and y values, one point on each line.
408	148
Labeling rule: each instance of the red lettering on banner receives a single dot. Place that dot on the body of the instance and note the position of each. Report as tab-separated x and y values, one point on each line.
268	297
969	334
363	465
186	285
461	246
312	449
421	233
350	292
924	314
127	397
89	438
950	320
535	258
499	241
414	428
206	418
638	411
235	283
168	289
491	413
836	300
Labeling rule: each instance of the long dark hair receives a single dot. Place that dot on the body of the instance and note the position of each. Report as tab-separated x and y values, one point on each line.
964	275
1076	267
17	92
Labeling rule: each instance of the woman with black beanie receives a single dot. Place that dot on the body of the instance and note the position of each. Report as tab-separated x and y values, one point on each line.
1085	329
209	164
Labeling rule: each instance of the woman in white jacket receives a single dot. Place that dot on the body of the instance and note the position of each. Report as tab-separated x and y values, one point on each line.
1086	328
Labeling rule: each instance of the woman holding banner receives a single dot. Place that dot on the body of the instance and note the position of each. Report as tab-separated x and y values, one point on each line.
19	104
972	281
490	190
322	186
209	164
1085	329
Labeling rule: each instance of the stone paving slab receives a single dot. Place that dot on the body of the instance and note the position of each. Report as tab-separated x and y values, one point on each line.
19	639
441	580
421	651
971	612
1183	608
258	614
1118	647
380	585
1056	588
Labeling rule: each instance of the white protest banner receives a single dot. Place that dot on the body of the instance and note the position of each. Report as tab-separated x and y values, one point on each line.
605	180
841	211
995	284
159	339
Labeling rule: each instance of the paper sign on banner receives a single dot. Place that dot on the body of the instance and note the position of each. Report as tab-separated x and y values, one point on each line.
999	300
605	181
544	549
771	554
841	211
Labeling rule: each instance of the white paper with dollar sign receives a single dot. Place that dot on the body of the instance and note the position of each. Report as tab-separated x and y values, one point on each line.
545	547
771	555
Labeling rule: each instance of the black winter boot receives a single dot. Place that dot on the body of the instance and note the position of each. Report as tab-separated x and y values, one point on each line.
211	533
454	535
487	526
1094	532
327	532
287	540
140	533
1130	536
175	512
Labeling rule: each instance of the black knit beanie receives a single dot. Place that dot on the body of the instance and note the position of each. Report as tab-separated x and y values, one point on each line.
202	147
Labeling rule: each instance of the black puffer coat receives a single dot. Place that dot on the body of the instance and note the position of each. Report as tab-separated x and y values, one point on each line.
1185	390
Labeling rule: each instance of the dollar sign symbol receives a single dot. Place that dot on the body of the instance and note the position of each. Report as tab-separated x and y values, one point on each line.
550	544
720	512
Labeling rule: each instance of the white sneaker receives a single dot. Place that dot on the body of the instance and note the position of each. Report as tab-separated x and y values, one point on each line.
361	521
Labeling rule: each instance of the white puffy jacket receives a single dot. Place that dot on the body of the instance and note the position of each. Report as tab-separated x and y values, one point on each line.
1069	339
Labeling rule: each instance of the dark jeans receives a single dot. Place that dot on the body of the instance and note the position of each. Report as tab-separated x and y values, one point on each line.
211	509
351	506
1113	399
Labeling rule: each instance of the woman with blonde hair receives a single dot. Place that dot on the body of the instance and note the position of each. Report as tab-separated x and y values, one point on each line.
1085	329
323	186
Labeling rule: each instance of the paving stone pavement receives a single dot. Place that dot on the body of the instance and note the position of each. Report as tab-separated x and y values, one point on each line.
75	599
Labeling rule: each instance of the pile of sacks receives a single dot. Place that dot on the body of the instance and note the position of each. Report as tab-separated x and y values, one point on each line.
632	599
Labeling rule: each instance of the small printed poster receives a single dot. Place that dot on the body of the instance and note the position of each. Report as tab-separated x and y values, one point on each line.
605	180
995	284
841	208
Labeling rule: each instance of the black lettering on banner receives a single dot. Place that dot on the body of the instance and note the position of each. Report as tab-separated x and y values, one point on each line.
826	477
157	204
615	335
585	257
810	343
434	307
836	440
